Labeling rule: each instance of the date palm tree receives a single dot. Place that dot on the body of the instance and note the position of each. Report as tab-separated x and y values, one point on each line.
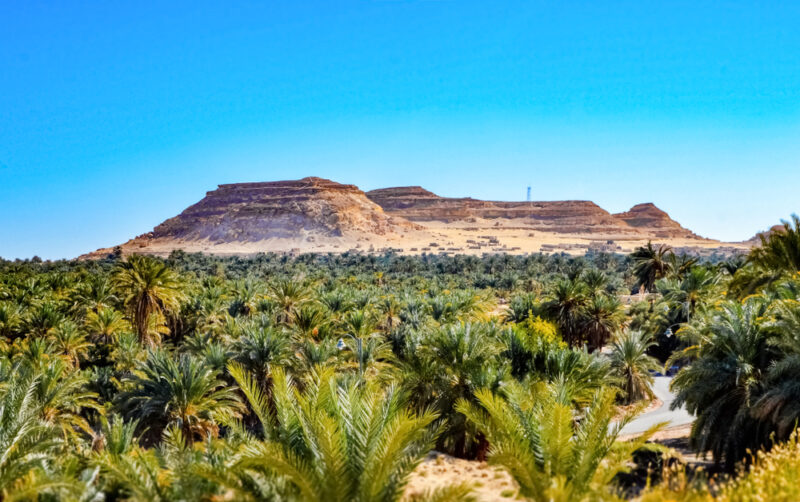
722	384
778	257
42	318
288	295
246	294
780	250
259	349
10	319
630	362
95	294
64	398
149	288
564	306
578	374
650	264
521	307
310	321
554	457
600	318
389	308
105	323
697	286
779	404
71	342
455	361
333	442
184	391
27	442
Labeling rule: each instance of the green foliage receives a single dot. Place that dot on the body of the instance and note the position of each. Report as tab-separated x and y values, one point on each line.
329	377
334	441
722	385
651	263
185	392
534	434
149	289
632	365
28	443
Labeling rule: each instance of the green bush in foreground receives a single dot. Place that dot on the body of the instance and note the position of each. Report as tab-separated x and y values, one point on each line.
774	477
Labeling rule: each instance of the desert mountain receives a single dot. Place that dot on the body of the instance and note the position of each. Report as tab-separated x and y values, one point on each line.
569	217
655	222
756	239
251	212
276	216
319	215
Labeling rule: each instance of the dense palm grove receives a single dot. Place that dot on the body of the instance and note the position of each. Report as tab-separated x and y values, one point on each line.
331	377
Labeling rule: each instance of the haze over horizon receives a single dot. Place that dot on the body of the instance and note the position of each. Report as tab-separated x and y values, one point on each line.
117	117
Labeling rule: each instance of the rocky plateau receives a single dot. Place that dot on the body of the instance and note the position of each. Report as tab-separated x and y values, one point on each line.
319	215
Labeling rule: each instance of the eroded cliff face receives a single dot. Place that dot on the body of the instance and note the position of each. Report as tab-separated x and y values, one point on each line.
570	216
319	215
300	215
756	239
251	212
655	222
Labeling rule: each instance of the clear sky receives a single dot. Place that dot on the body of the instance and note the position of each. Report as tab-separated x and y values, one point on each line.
117	115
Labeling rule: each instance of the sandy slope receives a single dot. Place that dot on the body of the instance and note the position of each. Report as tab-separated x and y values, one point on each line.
489	483
437	239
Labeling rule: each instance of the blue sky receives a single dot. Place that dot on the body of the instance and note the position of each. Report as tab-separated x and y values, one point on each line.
117	115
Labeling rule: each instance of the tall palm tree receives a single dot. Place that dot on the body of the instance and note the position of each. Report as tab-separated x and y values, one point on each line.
697	286
149	288
335	443
600	318
721	386
454	362
27	442
259	349
564	306
553	457
779	404
632	365
650	264
185	392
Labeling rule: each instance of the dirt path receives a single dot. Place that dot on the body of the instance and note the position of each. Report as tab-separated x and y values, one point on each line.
490	484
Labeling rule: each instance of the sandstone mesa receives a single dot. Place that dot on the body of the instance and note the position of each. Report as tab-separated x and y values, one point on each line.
319	215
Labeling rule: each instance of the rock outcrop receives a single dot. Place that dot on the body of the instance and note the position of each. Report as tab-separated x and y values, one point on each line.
569	216
280	215
655	222
319	215
252	212
756	239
